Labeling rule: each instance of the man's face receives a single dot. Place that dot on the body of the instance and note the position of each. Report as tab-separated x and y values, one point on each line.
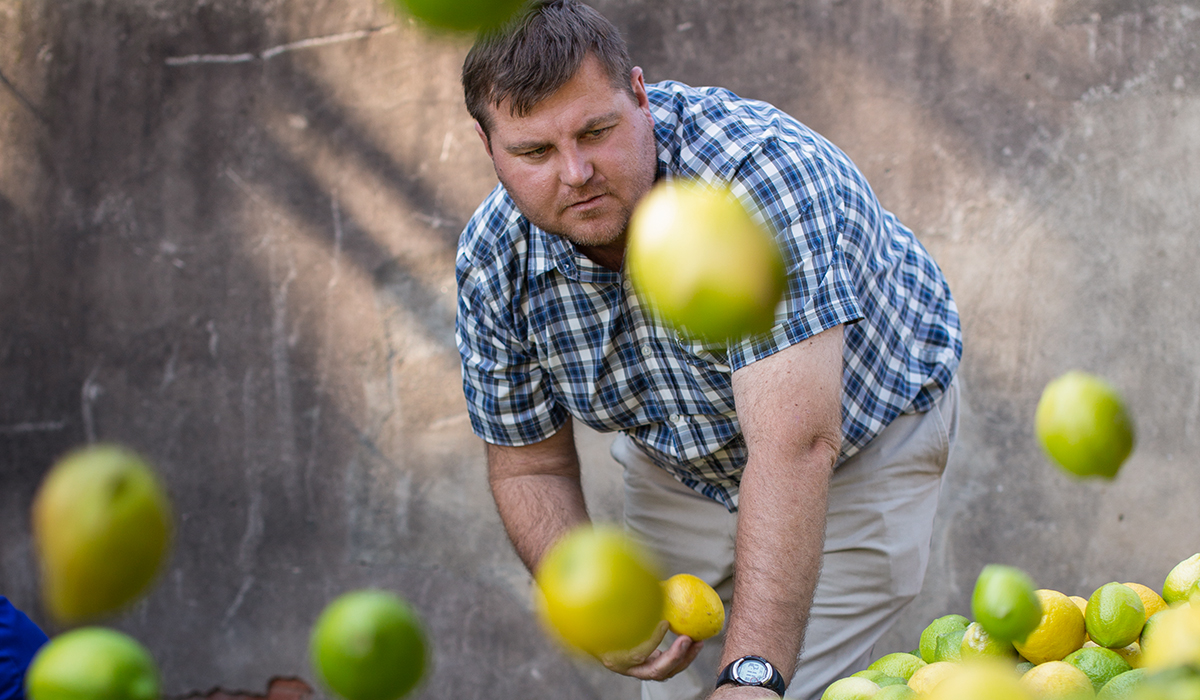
578	164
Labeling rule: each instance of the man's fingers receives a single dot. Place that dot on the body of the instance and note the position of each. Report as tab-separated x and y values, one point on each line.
622	661
662	665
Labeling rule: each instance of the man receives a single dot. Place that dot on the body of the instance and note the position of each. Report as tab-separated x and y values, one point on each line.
20	640
796	471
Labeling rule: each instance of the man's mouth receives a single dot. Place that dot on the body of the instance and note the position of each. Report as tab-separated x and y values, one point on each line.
586	202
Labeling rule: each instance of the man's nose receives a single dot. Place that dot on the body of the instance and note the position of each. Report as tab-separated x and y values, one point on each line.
576	168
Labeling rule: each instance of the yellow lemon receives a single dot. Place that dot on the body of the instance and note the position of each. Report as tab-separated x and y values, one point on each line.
1060	632
1179	582
600	590
1005	603
92	663
698	258
101	529
1083	425
1152	601
928	677
1115	615
369	645
692	607
1057	680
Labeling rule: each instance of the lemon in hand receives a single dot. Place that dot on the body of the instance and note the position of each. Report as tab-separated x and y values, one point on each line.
699	259
600	591
692	607
1083	425
1115	615
1005	603
369	645
1061	631
92	663
101	529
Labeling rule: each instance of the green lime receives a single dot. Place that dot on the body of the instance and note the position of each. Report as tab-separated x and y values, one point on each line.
1179	582
976	643
871	674
1005	602
92	663
895	692
949	646
899	664
1082	424
1115	615
1101	665
937	628
1121	686
369	645
850	688
101	529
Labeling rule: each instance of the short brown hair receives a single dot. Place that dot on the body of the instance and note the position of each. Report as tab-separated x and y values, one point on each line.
537	53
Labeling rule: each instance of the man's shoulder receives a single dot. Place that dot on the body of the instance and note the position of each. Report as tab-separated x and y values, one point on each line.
491	232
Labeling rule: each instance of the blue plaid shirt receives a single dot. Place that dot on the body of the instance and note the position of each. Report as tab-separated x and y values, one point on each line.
544	332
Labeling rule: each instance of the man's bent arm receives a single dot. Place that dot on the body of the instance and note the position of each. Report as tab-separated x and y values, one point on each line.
789	408
538	492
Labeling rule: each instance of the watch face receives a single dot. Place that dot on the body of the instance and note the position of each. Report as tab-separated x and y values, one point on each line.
752	671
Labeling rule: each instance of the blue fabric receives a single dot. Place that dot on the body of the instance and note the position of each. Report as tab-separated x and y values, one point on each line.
20	639
544	332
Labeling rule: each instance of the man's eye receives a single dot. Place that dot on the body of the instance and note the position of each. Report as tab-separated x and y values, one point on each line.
536	153
597	133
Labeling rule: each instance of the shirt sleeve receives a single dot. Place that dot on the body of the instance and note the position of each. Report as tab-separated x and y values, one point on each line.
20	640
509	394
795	194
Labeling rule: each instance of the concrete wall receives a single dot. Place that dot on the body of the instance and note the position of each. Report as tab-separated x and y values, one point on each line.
231	248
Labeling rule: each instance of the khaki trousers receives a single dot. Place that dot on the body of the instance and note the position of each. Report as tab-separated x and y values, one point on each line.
879	525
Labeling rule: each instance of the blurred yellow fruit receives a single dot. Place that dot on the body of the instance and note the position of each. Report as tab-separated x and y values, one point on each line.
703	263
1083	425
925	679
1181	579
1057	680
92	663
692	607
461	15
980	681
101	529
369	645
600	590
1115	615
1152	601
1005	603
1060	632
1172	638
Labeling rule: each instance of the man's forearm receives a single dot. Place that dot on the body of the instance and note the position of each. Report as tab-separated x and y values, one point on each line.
781	530
537	510
537	492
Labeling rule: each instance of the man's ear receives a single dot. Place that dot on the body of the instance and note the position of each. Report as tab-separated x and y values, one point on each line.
487	142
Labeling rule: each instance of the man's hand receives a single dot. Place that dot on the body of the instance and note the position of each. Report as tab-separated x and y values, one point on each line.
739	692
647	663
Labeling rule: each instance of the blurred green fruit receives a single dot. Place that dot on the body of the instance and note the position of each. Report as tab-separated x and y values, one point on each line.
369	645
698	258
92	663
461	15
1082	424
1005	603
101	529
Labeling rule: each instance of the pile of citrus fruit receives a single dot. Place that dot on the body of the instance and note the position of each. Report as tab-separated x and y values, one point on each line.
1126	640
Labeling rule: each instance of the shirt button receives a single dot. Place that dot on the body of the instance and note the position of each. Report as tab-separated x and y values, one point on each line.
646	351
675	418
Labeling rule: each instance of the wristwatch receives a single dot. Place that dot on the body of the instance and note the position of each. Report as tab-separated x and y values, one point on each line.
755	671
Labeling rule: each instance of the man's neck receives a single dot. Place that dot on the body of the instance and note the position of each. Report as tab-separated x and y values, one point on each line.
610	256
